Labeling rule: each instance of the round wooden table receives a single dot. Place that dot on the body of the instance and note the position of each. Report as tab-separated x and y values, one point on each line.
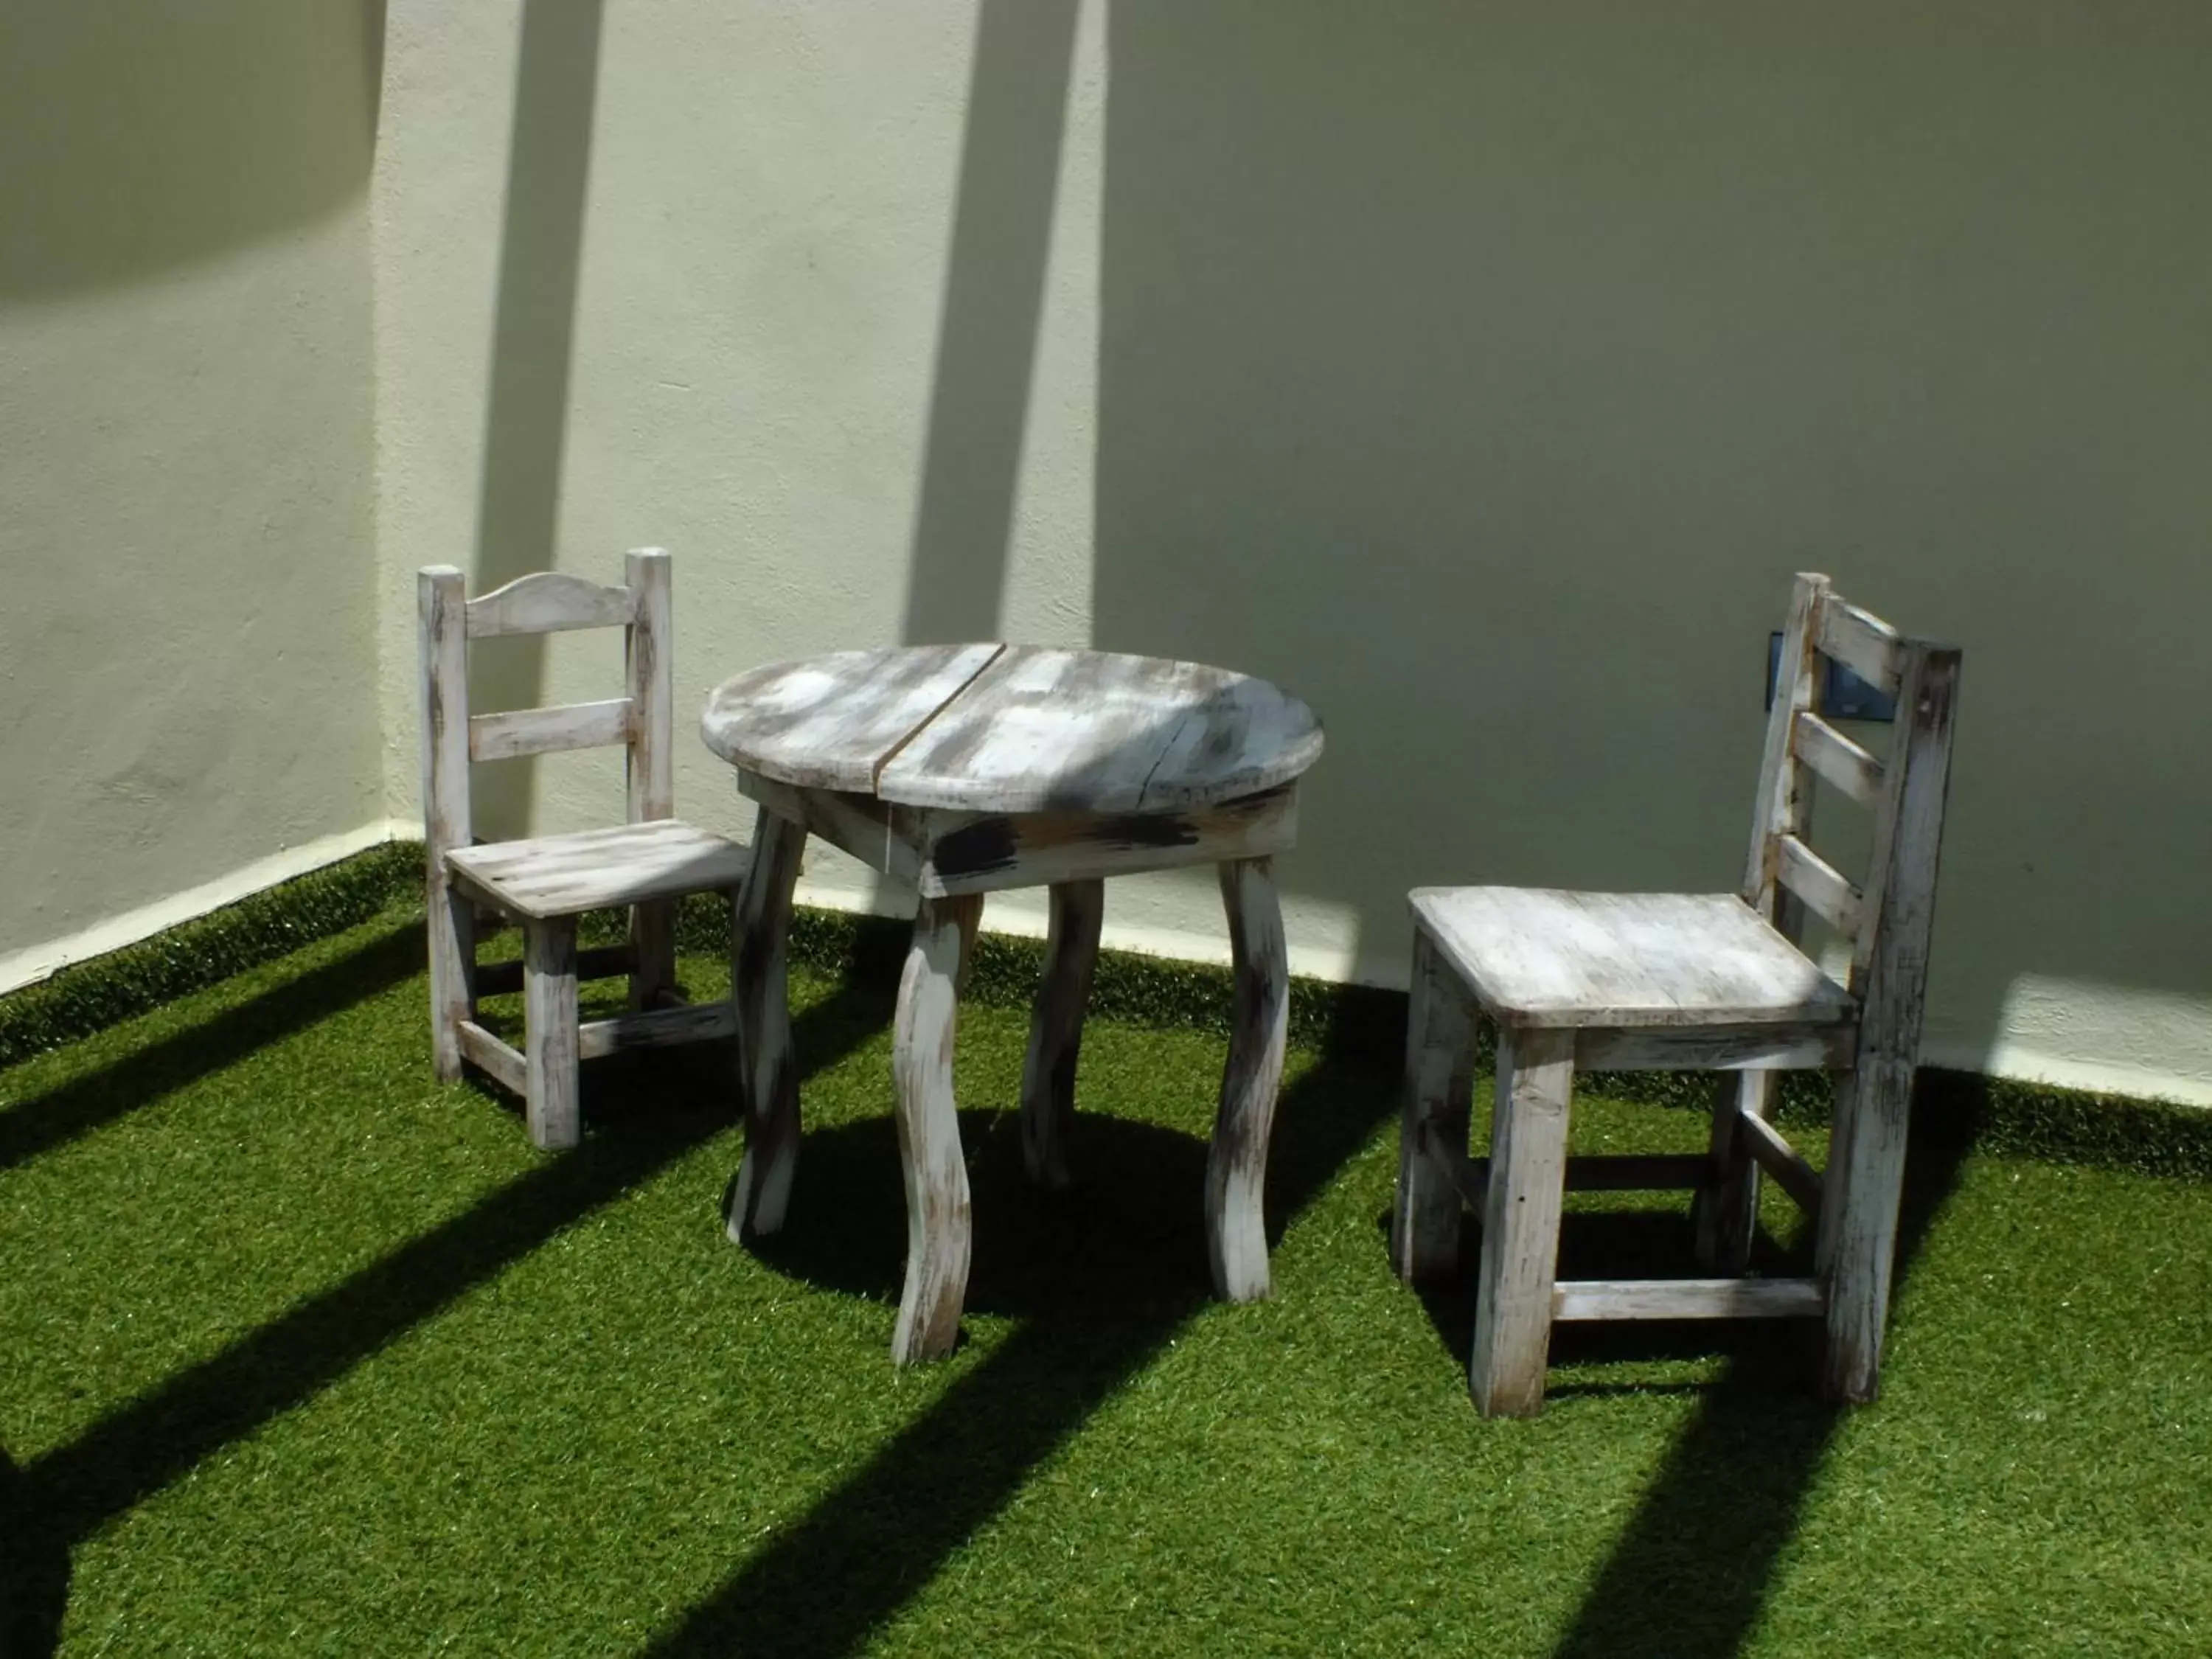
960	770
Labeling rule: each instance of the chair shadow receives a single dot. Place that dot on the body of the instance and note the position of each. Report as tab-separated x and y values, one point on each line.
1102	1277
1689	1574
658	1105
76	1108
1623	1244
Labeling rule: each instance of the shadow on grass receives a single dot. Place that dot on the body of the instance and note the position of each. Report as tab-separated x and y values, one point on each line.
78	1107
1689	1574
1103	1276
673	1101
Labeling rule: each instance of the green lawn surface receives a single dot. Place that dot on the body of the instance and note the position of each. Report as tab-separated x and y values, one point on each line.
303	1353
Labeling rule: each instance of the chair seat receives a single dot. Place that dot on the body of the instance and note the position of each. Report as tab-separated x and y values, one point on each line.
549	875
1539	956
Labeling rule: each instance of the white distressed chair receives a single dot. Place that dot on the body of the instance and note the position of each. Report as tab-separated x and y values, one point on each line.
1674	981
546	882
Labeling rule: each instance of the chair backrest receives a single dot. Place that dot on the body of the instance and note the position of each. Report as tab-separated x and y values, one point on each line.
1888	918
546	602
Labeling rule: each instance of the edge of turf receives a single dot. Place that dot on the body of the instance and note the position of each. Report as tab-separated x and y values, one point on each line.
2057	1125
88	996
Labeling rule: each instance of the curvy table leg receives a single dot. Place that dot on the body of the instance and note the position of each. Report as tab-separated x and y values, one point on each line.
1237	1165
938	1224
770	1073
1071	955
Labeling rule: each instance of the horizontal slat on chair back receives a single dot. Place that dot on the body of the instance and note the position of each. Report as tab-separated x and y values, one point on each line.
1836	758
549	602
1784	872
1819	883
1865	644
550	731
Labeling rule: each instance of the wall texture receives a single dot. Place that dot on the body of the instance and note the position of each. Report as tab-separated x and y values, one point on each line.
1480	372
186	453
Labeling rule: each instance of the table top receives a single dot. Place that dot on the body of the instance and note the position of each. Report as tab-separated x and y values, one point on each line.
1013	728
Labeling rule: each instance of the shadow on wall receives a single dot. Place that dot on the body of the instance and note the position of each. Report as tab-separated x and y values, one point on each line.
1482	374
993	302
134	138
533	344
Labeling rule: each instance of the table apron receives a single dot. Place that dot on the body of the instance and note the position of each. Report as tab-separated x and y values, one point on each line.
940	852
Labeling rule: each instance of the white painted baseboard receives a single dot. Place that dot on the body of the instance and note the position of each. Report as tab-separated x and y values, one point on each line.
27	967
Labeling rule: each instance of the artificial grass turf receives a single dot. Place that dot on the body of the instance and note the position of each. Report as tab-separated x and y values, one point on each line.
301	1352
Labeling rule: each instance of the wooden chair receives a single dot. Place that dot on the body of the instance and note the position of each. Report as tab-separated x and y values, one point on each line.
1672	982
545	882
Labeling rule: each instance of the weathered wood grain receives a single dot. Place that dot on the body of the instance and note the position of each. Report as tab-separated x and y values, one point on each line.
1725	1213
552	876
1625	980
1857	1236
1541	956
981	853
1071	955
551	1102
1789	1167
1607	1172
656	1027
1468	1177
1825	889
1783	802
1153	765
1236	1161
1686	1298
1521	1220
600	962
1865	644
1433	1124
548	602
885	838
939	1224
1835	758
451	918
1777	1047
503	1064
647	863
1042	730
648	660
517	732
832	722
760	928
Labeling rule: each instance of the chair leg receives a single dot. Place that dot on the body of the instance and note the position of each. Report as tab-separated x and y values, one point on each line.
1859	1208
452	928
1521	1221
548	1038
1056	1029
1439	1091
1728	1210
652	942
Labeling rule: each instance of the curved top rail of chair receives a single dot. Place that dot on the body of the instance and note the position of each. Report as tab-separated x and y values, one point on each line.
549	602
1001	728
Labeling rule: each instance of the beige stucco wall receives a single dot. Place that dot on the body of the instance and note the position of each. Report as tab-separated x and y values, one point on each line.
187	458
1482	373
